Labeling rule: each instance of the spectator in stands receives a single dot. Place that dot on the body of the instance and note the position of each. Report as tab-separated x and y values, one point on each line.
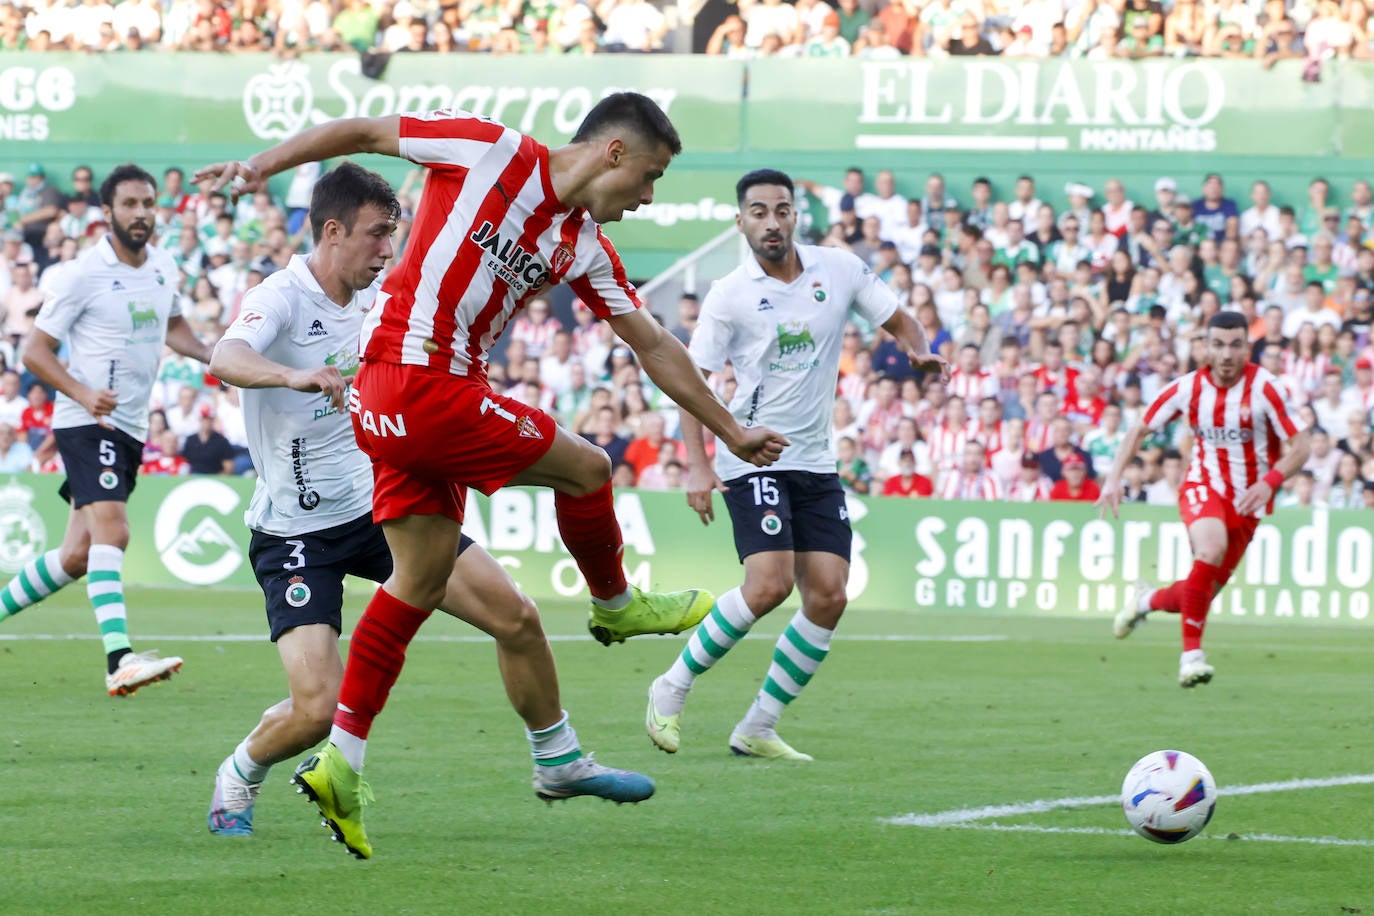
15	454
853	470
35	423
1164	491
605	434
971	479
12	403
906	482
644	450
1060	449
39	204
208	451
1075	485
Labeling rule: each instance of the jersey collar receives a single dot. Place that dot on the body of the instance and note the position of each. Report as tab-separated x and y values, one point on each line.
107	252
301	271
805	257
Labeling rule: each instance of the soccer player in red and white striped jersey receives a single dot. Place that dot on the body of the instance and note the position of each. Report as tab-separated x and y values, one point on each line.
503	218
1245	445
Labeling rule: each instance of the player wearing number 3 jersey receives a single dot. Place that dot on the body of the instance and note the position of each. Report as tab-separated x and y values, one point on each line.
502	218
779	319
1240	426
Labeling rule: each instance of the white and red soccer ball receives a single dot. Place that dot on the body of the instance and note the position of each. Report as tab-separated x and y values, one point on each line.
1168	796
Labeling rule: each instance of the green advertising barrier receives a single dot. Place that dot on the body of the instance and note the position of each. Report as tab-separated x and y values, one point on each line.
993	558
1084	120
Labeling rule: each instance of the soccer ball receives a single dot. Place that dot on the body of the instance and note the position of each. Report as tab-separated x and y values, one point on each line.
1168	796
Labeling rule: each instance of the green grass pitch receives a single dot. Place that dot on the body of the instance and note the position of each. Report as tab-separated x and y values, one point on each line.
103	801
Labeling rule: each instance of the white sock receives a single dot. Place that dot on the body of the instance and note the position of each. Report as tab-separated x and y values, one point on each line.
798	654
616	603
249	769
351	746
555	745
729	621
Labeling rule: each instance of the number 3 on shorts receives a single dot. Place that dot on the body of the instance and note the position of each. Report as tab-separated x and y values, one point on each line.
107	453
765	491
297	558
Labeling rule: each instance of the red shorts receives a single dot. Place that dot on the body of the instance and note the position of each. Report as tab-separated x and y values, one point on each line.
432	434
1197	501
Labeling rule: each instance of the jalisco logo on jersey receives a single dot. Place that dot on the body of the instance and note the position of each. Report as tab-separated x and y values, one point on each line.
519	267
1223	434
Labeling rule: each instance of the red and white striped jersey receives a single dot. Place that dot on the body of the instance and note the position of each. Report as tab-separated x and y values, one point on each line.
488	236
1238	431
1038	490
990	436
980	486
947	446
972	386
1304	375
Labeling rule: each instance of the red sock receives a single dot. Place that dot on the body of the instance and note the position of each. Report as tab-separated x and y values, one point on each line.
591	533
1169	598
1199	589
376	654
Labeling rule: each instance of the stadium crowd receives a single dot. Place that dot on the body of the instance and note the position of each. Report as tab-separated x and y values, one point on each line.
1062	324
1092	29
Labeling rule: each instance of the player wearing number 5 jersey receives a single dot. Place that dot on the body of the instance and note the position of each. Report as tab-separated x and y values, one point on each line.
779	319
115	306
502	218
1245	444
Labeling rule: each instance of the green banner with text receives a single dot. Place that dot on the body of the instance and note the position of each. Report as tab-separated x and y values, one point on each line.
997	558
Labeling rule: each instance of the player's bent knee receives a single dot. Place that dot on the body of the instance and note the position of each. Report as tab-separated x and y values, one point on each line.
521	627
593	471
764	596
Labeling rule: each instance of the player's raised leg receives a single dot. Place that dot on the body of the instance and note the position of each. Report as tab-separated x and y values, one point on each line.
797	656
49	572
482	593
580	475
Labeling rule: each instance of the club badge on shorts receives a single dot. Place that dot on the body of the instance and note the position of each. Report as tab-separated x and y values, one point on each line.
528	428
297	592
108	479
771	524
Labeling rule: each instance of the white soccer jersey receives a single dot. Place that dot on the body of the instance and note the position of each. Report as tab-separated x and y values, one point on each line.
114	320
311	473
784	342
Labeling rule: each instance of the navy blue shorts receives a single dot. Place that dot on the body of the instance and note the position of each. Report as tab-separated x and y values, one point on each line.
101	463
302	577
789	510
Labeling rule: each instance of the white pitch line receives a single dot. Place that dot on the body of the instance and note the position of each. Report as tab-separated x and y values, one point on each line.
262	637
1105	831
962	816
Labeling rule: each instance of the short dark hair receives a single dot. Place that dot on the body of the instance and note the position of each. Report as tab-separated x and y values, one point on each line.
631	110
762	176
120	174
344	190
1228	321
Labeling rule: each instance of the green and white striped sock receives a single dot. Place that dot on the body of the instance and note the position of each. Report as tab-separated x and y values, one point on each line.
800	650
556	745
36	581
106	591
730	619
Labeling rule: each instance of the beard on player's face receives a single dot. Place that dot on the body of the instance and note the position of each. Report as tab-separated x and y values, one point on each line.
124	232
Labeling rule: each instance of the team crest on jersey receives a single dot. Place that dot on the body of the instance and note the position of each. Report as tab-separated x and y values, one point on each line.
528	429
297	592
1244	414
816	292
563	257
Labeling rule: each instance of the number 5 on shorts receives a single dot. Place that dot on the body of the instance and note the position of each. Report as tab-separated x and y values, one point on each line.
107	453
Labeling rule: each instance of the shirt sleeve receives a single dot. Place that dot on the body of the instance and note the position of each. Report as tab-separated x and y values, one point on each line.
873	300
448	138
1276	410
63	304
710	346
1167	405
264	315
603	286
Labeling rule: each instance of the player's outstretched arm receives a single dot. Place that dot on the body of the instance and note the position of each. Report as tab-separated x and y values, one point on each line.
1296	452
1110	497
40	358
343	137
236	362
912	337
183	340
665	360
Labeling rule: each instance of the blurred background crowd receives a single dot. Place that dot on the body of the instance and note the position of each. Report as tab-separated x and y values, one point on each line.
1094	29
1063	325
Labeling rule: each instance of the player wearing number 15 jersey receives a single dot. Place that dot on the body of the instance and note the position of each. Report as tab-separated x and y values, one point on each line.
1245	444
779	319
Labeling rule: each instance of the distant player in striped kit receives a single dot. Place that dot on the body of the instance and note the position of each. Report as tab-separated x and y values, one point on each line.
116	307
1245	445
